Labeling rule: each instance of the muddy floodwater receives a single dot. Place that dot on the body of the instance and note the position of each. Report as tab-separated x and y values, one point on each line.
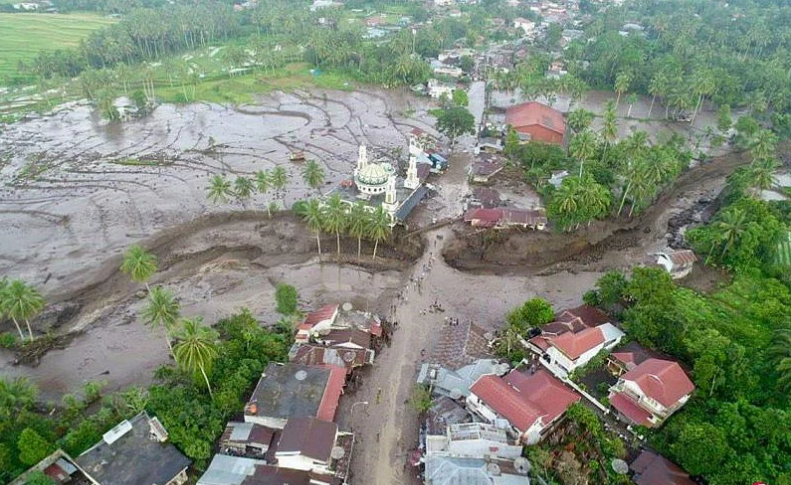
78	190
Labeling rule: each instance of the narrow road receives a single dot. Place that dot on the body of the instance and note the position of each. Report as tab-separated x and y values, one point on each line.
386	428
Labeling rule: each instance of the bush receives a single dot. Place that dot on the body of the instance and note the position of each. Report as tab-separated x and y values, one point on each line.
286	297
8	340
39	478
532	313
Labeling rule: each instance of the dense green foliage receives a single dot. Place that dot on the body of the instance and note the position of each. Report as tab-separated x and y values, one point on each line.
286	299
735	54
734	430
532	313
193	419
455	121
178	397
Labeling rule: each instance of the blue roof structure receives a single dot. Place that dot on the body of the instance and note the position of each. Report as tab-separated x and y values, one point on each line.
409	205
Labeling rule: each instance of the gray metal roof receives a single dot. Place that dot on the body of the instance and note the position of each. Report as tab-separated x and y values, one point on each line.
133	458
228	470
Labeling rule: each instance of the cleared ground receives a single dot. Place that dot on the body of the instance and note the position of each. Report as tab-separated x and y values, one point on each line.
23	35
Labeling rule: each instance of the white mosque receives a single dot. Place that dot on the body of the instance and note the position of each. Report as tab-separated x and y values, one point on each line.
377	183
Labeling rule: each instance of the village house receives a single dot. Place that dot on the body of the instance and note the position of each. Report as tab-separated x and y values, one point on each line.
459	357
626	358
528	27
506	217
484	168
652	469
574	339
58	466
537	120
483	198
249	440
134	452
234	470
489	144
530	403
315	445
474	440
648	394
421	142
436	89
678	263
444	470
295	391
441	69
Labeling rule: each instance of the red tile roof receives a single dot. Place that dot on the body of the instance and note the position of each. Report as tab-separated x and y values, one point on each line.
506	401
576	344
630	409
590	316
332	393
682	257
545	391
315	317
653	469
631	355
661	380
535	113
483	217
340	336
522	399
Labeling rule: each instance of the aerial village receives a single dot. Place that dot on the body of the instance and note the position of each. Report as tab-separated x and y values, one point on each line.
493	397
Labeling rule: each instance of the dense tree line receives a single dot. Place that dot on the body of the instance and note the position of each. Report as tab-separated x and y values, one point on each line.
736	340
736	54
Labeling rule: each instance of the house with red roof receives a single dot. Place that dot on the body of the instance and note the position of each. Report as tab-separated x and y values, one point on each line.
574	339
539	121
529	403
315	321
652	469
649	393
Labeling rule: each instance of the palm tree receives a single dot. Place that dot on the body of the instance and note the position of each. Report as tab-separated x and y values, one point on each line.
3	288
313	215
658	87
21	301
335	218
359	221
580	119
139	264
16	395
703	84
610	126
622	82
594	197
731	226
279	180
631	99
761	174
219	189
379	227
763	144
780	352
197	348
567	200
263	181
313	175
162	311
243	188
583	147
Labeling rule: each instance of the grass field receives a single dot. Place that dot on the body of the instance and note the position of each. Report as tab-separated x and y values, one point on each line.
23	35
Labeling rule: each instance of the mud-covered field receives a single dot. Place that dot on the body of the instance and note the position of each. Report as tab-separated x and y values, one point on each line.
77	190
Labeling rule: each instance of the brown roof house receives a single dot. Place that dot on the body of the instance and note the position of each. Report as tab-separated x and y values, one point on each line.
678	263
574	339
135	452
249	440
531	403
295	391
538	121
651	392
627	358
312	444
652	469
459	358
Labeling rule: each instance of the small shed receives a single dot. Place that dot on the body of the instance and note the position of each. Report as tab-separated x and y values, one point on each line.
678	263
